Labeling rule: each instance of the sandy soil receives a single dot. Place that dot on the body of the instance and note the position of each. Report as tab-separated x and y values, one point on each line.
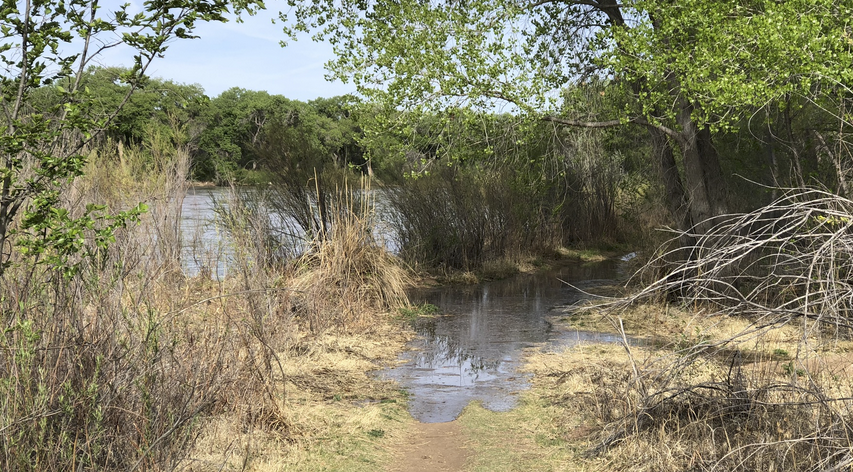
433	447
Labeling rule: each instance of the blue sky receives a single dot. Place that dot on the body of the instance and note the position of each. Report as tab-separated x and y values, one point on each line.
246	55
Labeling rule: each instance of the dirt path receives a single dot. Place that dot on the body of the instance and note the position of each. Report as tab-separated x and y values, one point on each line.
433	447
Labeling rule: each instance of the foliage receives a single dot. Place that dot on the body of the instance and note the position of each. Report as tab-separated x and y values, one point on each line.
239	124
724	60
233	122
686	72
733	58
42	139
152	104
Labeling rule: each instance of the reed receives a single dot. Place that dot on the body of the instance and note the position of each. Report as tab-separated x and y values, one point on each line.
347	277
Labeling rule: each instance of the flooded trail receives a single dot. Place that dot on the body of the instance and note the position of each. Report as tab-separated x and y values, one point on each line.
472	351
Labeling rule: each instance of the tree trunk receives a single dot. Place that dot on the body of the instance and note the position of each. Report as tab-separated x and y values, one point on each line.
704	180
696	204
676	200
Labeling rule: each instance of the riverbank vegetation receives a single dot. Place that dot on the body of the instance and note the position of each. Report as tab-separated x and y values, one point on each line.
132	364
728	124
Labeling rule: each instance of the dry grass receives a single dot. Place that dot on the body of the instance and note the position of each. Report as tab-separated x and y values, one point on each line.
132	365
346	277
752	372
338	417
697	420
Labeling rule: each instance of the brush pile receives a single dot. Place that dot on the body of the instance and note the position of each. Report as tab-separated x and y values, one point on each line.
784	271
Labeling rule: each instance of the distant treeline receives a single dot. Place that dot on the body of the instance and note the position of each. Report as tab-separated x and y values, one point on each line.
585	184
223	133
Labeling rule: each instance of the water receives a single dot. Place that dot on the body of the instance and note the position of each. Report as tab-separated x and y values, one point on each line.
204	243
473	351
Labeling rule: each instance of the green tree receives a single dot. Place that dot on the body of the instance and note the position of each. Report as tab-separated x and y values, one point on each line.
151	103
237	123
49	44
307	151
233	124
689	69
340	133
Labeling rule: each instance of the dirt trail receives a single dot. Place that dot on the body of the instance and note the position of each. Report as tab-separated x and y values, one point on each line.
433	447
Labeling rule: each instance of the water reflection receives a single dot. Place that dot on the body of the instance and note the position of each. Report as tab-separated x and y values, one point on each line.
206	244
473	351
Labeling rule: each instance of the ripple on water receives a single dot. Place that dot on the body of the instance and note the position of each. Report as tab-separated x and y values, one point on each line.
474	350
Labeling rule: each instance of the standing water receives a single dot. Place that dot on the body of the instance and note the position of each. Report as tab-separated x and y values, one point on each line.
204	244
473	351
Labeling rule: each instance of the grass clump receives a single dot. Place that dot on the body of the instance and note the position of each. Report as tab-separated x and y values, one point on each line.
345	277
416	311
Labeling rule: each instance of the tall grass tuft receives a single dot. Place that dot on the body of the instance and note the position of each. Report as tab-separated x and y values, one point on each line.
346	277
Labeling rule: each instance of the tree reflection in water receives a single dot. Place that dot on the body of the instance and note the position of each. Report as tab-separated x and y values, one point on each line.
473	350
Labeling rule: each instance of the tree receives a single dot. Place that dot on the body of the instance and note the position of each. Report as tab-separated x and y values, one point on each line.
340	132
153	103
48	44
690	68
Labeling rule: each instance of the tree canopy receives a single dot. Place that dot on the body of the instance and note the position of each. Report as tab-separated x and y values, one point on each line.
688	69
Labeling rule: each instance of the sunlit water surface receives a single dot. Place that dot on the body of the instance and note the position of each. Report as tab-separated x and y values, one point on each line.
474	349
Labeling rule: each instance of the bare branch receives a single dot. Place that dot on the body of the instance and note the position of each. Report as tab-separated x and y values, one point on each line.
611	123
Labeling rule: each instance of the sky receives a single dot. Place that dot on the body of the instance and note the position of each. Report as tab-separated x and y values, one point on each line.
246	55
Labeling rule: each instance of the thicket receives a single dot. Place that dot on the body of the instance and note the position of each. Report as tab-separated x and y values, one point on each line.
98	371
110	356
782	266
565	189
118	367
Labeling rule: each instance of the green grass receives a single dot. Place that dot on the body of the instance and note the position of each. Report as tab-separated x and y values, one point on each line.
415	311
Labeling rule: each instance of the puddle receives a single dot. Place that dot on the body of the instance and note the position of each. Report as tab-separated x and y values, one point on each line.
473	350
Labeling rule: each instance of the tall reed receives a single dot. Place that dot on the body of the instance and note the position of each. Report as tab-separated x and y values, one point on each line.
110	369
347	277
340	277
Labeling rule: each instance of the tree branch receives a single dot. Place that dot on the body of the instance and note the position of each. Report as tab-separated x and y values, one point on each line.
611	123
591	3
